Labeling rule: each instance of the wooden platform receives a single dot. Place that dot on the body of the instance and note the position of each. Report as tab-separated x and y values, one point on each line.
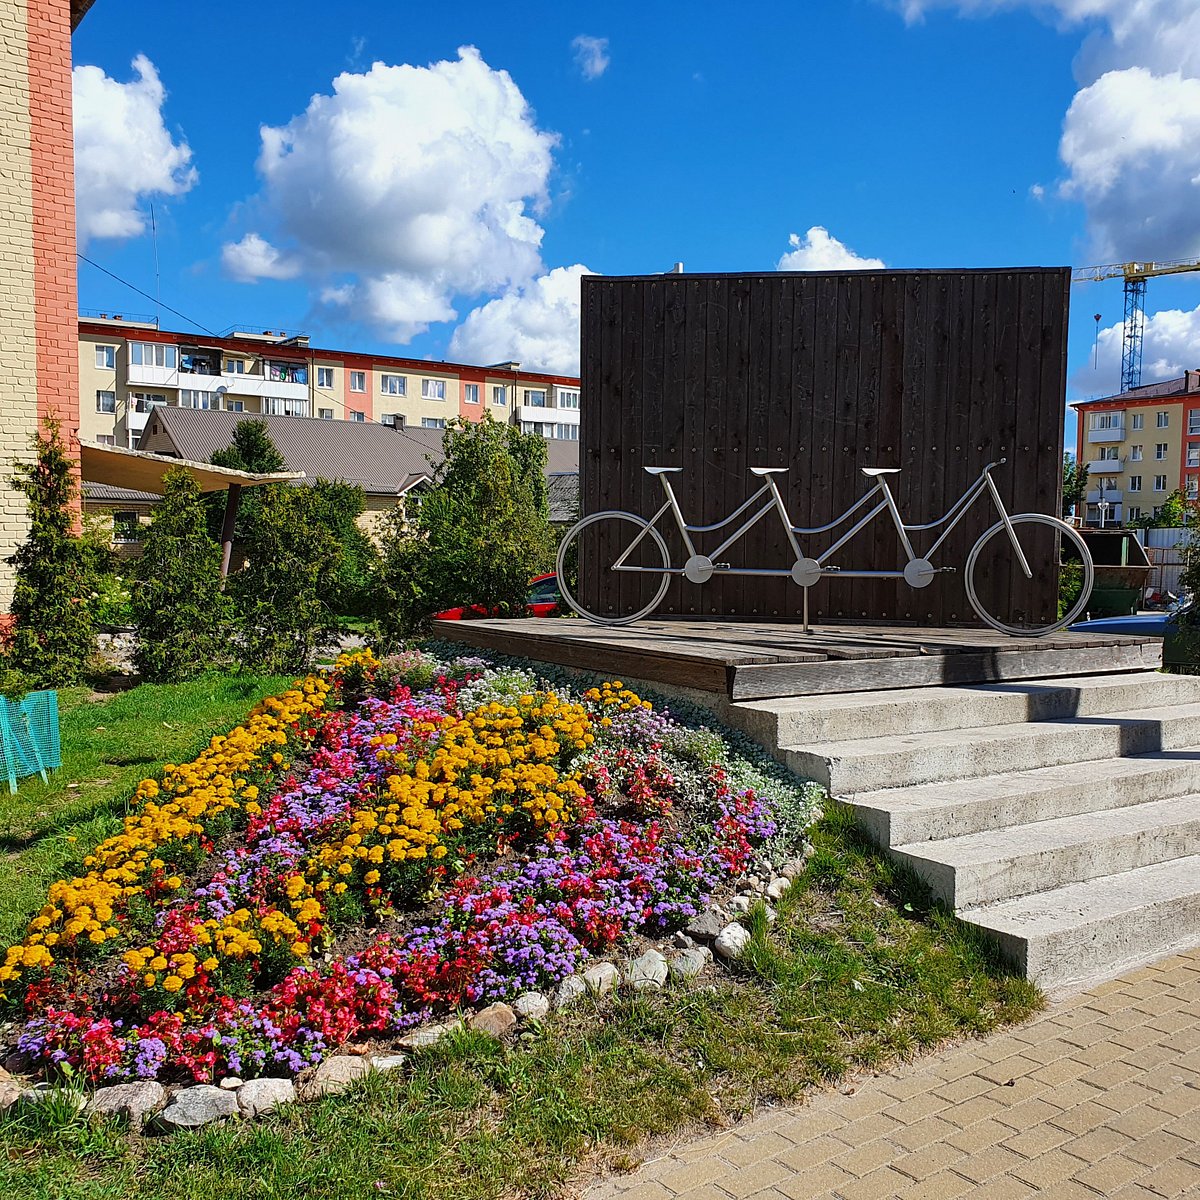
752	661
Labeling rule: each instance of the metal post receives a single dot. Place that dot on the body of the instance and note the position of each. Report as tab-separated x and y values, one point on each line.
232	499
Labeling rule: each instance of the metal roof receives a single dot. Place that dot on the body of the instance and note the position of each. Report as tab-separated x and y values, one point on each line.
378	458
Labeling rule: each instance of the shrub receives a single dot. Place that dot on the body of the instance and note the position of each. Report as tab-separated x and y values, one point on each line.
54	635
178	607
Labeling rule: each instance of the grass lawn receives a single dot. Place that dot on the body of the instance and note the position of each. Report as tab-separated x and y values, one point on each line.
109	745
857	971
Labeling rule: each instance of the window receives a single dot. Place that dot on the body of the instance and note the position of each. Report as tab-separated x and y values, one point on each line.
326	414
1135	453
126	527
1160	483
357	416
433	422
324	377
143	402
358	381
106	402
279	407
106	358
194	363
567	433
1194	421
234	405
1135	483
393	385
392	420
1139	420
105	439
433	389
235	366
1162	420
470	393
152	354
1134	512
287	372
188	398
1160	450
1193	454
499	394
1109	454
535	398
1193	487
538	427
568	398
1107	420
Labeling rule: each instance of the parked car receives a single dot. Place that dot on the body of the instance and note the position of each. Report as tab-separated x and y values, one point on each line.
544	600
1178	650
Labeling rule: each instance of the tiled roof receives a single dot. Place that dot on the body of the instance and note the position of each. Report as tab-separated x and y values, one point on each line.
104	493
563	494
379	459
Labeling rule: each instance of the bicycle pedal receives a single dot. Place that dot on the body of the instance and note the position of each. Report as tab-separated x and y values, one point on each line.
950	570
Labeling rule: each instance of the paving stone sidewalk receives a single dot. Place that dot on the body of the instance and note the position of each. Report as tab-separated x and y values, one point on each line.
1099	1096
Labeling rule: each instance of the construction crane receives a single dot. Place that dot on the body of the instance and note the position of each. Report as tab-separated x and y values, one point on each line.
1135	275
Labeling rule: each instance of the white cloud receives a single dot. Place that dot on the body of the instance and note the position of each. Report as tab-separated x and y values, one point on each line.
591	55
1037	191
819	250
536	325
252	258
1170	346
123	151
404	188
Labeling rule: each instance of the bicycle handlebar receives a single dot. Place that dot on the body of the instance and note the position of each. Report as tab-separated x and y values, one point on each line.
998	463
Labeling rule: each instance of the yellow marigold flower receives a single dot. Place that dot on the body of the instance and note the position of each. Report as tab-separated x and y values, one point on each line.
371	877
149	979
172	983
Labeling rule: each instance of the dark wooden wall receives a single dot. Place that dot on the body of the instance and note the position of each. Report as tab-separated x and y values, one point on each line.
935	372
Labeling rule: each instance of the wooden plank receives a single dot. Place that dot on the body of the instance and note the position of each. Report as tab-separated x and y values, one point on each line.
760	682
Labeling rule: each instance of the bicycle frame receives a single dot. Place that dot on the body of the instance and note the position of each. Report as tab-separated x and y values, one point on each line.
769	492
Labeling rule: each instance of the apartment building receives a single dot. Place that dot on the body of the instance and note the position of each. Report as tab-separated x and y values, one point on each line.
1139	447
128	367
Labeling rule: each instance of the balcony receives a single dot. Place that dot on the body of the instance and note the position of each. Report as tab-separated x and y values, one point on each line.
156	376
1111	495
1106	466
1116	434
536	412
258	385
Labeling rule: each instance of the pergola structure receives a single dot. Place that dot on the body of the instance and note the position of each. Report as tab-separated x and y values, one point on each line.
141	471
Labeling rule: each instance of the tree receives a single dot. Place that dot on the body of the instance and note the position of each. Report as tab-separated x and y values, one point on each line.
337	505
1175	511
481	532
284	595
54	636
1075	478
251	450
182	616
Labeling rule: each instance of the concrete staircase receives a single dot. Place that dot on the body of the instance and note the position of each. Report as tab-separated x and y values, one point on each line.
1062	816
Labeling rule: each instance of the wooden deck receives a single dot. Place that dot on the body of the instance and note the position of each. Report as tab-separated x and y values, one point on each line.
749	661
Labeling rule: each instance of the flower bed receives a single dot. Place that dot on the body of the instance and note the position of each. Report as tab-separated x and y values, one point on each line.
370	850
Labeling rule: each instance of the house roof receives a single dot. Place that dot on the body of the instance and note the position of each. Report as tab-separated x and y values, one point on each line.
138	470
379	459
563	495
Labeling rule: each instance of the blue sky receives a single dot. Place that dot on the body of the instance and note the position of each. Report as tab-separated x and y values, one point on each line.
446	210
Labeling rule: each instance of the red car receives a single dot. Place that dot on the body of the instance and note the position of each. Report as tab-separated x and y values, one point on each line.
543	600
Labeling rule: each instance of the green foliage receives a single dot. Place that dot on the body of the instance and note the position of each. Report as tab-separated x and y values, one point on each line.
181	614
1075	477
1174	512
1070	584
285	594
337	506
56	571
482	530
251	450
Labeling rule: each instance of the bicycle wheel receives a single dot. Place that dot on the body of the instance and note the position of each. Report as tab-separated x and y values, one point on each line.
590	551
1006	599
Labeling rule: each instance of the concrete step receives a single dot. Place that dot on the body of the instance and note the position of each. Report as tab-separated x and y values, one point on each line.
870	764
1001	864
796	720
1071	936
932	811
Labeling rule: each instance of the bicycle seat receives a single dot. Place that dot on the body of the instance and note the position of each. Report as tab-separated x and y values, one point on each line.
767	470
872	471
661	470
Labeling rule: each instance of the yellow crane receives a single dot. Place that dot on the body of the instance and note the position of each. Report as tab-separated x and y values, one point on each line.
1135	275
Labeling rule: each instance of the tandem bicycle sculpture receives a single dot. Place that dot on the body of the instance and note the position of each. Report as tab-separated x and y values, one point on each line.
626	543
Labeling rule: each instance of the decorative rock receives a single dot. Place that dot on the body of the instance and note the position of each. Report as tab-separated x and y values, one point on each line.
732	940
10	1092
495	1020
387	1062
335	1075
53	1091
231	1083
649	970
428	1035
707	925
134	1101
777	887
198	1105
570	990
739	904
260	1096
532	1006
681	941
601	978
793	868
690	962
18	1063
